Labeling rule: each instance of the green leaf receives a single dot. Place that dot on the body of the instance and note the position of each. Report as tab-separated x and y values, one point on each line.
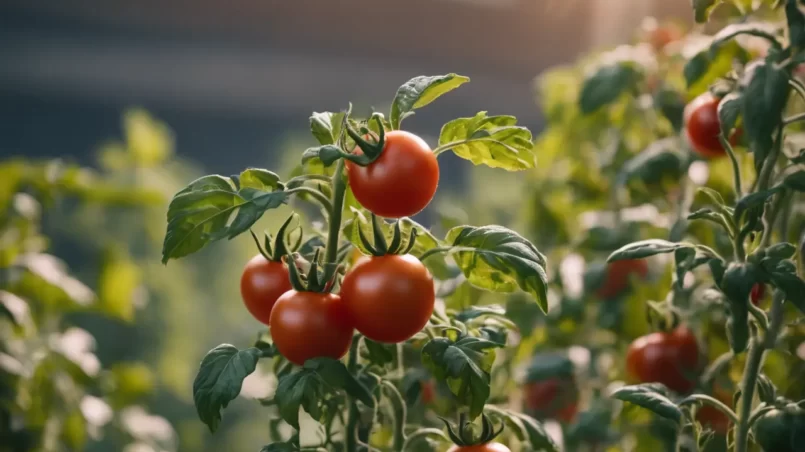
793	286
753	200
645	248
219	380
118	282
658	161
494	141
308	387
672	105
782	250
466	365
757	29
379	354
279	447
651	396
201	212
710	64
326	126
703	8
606	85
419	92
795	181
499	259
527	429
545	366
795	17
765	98
259	179
728	110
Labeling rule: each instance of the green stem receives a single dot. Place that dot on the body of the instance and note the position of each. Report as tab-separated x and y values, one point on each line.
351	433
447	249
712	401
336	208
400	413
771	218
315	194
422	433
736	167
753	362
794	118
451	145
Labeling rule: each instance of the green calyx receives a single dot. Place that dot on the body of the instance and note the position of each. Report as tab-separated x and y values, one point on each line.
319	278
274	249
463	434
380	246
370	149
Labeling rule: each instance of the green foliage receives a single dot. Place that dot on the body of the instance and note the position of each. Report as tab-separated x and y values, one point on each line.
419	92
494	141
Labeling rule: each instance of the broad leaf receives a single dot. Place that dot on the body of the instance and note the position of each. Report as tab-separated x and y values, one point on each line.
606	85
219	380
645	248
765	97
466	365
419	92
308	387
494	141
499	259
326	126
211	208
651	396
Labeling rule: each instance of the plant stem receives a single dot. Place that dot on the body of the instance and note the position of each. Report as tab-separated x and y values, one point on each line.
421	433
712	401
350	433
400	414
754	360
334	231
315	194
736	167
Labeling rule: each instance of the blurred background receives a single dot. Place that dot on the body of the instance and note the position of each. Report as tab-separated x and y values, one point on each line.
234	83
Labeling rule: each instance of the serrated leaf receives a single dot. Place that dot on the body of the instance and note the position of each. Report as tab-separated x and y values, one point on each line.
326	126
200	213
219	380
710	64
498	259
606	85
646	248
419	92
651	396
335	374
466	365
494	141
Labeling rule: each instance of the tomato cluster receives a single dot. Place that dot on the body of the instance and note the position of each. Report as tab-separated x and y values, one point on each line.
387	297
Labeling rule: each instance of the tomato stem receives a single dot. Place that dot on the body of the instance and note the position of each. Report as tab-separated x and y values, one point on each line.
423	433
315	194
400	414
736	167
336	208
351	441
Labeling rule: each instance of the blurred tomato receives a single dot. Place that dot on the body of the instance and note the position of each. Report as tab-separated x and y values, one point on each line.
555	398
713	418
618	274
670	358
703	127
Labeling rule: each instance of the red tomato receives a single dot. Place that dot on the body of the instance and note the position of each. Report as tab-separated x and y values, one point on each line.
389	298
702	126
401	182
488	447
714	418
670	358
618	275
307	325
428	392
262	282
554	398
757	293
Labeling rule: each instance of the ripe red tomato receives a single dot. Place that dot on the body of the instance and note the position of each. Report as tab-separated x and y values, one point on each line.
307	325
488	447
618	275
262	282
670	358
757	293
555	398
401	182
428	393
389	298
702	126
712	417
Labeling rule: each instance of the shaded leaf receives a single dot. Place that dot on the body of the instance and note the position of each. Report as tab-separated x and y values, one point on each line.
646	248
765	97
419	92
651	396
326	126
606	85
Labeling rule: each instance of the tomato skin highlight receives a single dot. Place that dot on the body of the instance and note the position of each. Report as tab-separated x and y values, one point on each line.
401	182
306	325
618	275
488	447
670	358
548	399
389	298
702	126
261	284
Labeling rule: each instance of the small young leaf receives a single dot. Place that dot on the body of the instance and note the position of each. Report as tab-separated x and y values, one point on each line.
466	365
219	380
651	396
501	260
326	126
728	110
606	85
646	248
703	8
419	92
494	141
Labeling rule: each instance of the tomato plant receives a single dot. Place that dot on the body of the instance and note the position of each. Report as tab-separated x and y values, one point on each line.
364	288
